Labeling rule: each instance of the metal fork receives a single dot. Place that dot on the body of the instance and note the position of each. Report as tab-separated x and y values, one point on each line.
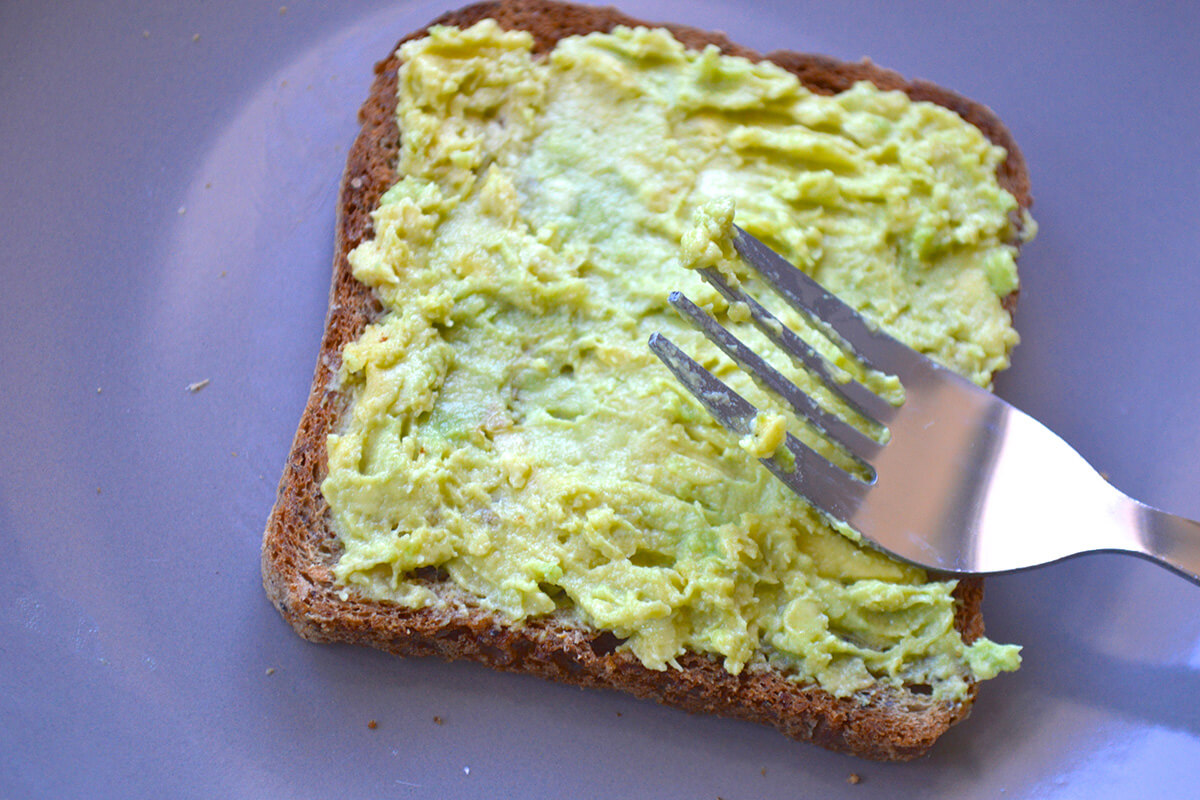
965	482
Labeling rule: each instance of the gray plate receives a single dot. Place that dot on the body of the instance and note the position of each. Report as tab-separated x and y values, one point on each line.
168	218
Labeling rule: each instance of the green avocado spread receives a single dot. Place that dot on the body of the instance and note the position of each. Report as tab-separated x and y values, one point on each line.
509	425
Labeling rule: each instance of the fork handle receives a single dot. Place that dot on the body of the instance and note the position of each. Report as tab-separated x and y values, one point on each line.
1170	540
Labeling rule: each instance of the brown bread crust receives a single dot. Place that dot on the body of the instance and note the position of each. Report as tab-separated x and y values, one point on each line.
299	547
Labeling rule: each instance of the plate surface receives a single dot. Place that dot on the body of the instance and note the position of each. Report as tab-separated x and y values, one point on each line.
168	177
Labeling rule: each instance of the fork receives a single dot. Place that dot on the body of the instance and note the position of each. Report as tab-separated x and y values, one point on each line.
961	483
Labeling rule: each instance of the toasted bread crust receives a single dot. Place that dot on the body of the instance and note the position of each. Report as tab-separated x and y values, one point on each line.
299	546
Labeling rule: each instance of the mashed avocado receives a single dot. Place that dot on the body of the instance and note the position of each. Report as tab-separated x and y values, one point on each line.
509	424
768	433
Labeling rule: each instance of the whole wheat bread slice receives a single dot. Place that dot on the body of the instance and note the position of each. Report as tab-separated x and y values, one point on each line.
299	547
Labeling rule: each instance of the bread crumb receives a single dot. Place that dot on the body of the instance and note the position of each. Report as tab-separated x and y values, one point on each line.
222	275
98	390
438	720
282	10
182	210
97	490
145	34
372	724
764	772
208	185
197	386
466	770
270	670
195	37
854	778
233	453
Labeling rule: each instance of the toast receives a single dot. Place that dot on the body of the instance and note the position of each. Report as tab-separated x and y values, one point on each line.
300	548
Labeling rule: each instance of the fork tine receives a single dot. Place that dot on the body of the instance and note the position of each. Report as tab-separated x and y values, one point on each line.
829	488
728	407
862	399
842	323
858	444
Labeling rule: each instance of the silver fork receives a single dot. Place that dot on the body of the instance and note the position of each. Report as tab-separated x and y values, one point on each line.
965	482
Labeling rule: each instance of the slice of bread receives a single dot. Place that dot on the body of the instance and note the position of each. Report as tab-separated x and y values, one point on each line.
300	548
